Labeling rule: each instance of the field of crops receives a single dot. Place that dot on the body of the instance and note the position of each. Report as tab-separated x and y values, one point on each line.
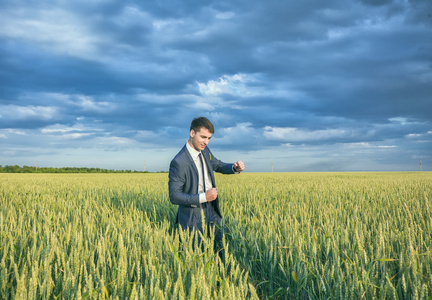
291	236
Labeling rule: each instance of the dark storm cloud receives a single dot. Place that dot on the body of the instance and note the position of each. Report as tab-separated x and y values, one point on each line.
35	70
122	75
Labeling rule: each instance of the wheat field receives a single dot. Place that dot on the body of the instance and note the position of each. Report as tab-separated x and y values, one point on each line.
289	236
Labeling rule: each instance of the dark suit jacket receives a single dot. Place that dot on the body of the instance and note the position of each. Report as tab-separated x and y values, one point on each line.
183	185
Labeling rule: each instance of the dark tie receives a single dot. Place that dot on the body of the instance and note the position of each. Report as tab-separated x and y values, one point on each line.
202	169
204	205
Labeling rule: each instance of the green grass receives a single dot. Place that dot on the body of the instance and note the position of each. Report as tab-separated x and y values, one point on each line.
291	236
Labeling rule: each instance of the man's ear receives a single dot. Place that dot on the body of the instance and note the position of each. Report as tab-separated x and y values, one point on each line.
192	133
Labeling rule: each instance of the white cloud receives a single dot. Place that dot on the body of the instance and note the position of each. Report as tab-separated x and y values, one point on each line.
238	135
58	128
386	147
55	29
239	128
87	103
15	112
114	141
403	121
63	132
224	15
13	131
233	85
297	135
207	103
236	131
146	135
368	145
359	144
74	135
17	132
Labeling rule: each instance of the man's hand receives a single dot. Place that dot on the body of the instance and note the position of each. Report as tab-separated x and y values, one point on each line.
239	166
211	194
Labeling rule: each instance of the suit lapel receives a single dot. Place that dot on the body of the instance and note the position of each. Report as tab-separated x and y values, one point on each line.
209	165
191	163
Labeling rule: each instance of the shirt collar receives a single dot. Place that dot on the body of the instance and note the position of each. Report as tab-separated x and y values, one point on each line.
193	152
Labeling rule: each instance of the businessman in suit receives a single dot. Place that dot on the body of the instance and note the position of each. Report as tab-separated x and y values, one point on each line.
192	184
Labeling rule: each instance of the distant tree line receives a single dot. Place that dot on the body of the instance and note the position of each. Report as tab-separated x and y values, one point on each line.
30	169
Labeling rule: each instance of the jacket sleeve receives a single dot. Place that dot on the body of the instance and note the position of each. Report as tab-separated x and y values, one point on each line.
179	185
219	166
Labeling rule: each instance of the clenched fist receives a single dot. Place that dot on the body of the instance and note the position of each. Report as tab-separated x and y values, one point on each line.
239	166
211	194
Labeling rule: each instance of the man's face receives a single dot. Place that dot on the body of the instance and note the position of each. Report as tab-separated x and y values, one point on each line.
199	139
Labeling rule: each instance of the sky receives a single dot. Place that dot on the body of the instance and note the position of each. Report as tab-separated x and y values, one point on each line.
290	86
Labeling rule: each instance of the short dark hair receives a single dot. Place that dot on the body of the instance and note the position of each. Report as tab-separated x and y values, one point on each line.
199	122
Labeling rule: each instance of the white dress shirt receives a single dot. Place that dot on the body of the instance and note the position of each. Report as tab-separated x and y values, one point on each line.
194	153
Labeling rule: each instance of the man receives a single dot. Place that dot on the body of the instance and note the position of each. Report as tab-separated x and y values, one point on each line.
191	180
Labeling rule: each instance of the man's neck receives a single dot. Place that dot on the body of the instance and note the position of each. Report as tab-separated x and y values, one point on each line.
190	143
192	150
